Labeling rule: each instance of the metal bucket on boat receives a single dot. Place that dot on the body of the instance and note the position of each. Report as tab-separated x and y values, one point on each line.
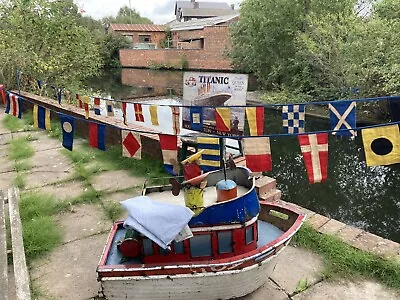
194	198
226	190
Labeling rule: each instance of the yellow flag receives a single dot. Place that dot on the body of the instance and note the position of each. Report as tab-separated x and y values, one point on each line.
154	115
381	145
210	158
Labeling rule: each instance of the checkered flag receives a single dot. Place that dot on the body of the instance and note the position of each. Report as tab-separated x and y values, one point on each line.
293	117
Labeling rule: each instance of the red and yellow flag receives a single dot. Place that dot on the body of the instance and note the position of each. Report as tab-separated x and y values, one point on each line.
223	119
138	112
255	118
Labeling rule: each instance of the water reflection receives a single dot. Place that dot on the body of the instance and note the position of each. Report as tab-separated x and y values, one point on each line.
366	197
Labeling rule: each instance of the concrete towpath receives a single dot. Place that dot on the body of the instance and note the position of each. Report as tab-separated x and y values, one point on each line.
69	271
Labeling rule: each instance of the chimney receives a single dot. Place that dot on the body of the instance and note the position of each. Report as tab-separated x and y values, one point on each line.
233	6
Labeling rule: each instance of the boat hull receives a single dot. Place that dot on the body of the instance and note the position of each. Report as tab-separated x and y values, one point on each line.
207	285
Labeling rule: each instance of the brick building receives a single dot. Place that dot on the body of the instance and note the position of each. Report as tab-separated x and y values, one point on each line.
201	44
142	36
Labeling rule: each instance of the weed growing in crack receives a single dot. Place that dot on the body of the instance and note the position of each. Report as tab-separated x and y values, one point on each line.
20	149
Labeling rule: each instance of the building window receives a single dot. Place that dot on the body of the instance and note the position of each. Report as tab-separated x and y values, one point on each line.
178	247
249	235
144	38
225	243
200	245
147	247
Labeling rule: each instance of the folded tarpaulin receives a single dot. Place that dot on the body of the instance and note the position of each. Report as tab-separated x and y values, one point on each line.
158	221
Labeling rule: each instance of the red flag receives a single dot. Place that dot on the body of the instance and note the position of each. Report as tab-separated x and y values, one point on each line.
86	106
315	154
124	113
257	152
3	94
138	112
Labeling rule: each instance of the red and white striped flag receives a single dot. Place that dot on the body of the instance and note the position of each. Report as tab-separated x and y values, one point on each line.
314	148
175	120
257	152
13	106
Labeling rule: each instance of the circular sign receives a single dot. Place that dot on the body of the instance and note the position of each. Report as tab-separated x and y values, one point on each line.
381	146
67	127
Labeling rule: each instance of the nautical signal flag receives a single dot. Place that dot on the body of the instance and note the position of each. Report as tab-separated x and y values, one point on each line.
196	118
154	115
97	136
96	106
223	119
3	94
131	144
381	145
314	148
41	117
14	105
169	149
138	112
293	117
257	152
394	106
68	128
343	116
123	104
80	103
210	158
110	109
85	100
176	127
255	118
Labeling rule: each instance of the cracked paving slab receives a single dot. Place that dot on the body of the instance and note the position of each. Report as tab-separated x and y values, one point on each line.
115	180
294	264
69	272
340	290
82	221
63	191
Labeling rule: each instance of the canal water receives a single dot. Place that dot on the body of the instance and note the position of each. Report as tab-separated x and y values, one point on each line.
365	197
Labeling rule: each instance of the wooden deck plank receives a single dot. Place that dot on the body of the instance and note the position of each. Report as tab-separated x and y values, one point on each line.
20	269
3	252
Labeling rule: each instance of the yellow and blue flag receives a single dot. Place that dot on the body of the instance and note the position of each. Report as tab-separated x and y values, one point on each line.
210	158
41	117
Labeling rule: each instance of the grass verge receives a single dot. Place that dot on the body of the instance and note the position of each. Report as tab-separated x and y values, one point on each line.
41	233
343	260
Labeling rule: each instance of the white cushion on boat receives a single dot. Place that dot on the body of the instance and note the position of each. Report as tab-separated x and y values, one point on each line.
158	221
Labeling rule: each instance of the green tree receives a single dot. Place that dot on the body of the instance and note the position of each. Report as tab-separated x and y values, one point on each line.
127	15
43	38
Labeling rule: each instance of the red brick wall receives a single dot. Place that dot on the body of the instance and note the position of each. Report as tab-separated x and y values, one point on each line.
156	37
216	42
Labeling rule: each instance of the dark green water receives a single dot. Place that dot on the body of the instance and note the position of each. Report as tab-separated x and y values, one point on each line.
366	197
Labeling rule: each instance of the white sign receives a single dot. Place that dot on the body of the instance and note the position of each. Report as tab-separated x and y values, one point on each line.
210	90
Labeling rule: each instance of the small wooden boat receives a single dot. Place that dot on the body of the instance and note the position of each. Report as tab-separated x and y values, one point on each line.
228	256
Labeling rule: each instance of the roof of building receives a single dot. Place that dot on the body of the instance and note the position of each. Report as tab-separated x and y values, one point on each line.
205	12
201	23
190	4
137	27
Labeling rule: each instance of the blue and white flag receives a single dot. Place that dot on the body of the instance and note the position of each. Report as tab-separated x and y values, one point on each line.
293	117
343	116
68	127
196	118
